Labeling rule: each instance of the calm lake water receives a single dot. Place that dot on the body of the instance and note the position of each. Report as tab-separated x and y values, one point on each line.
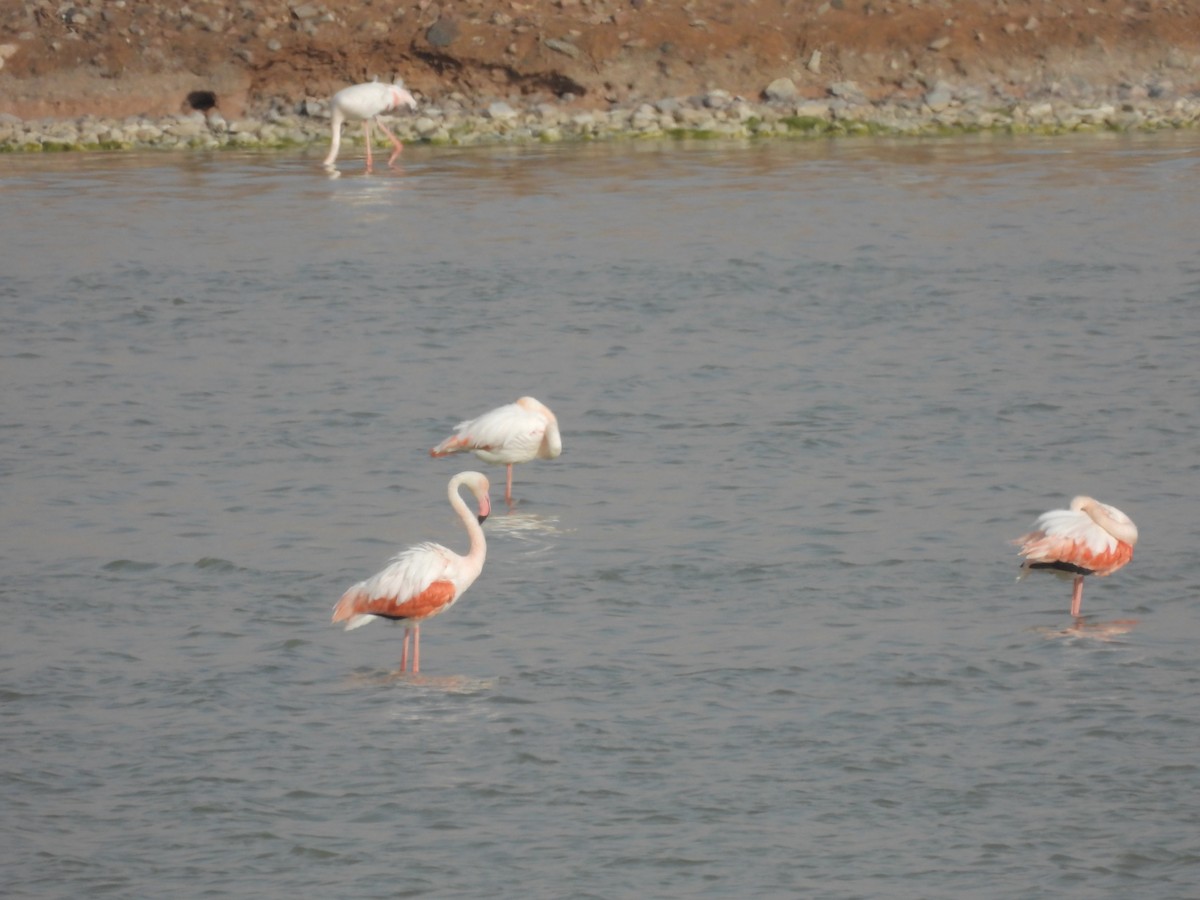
756	633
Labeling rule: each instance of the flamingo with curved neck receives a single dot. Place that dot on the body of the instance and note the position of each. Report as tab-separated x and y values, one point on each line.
368	102
424	580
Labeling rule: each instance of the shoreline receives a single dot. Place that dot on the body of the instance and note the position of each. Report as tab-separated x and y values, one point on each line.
942	110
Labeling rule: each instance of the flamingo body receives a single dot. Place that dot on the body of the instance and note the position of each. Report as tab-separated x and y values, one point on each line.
422	581
1089	538
367	102
514	433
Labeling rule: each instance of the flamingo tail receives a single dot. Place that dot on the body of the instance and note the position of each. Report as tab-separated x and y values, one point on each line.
450	445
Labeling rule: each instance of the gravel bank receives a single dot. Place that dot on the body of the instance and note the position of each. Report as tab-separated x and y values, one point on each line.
942	109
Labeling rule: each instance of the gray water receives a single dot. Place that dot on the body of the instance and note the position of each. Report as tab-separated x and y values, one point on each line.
756	633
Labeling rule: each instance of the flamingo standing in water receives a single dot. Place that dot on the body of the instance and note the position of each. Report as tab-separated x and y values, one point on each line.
423	580
1090	538
367	102
513	433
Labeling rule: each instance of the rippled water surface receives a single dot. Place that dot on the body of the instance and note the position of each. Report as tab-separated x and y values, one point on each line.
755	633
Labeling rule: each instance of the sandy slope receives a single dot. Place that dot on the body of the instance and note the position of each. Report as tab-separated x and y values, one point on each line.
124	57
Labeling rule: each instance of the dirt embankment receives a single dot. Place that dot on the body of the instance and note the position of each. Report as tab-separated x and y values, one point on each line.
64	59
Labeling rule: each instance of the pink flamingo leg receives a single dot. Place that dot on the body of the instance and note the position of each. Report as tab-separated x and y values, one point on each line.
395	143
508	487
367	139
404	650
1077	596
416	649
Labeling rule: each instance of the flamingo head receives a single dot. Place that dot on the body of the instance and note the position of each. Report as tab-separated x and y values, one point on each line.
552	441
1109	518
401	97
478	485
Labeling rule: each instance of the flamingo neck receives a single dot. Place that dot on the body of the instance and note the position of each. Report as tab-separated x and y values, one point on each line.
336	140
478	546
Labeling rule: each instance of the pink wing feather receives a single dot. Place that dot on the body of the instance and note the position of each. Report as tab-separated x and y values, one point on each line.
507	434
1071	536
419	583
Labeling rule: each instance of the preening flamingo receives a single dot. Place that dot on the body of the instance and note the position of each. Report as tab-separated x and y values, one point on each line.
513	433
367	102
424	580
1090	538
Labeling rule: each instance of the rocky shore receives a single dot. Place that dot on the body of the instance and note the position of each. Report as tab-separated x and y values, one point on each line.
111	74
942	110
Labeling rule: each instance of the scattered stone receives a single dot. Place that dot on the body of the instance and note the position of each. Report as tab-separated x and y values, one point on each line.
717	99
848	91
564	47
812	111
781	90
442	33
939	96
501	112
1176	58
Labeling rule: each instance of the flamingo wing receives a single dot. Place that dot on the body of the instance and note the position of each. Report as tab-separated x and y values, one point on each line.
418	583
508	433
1071	537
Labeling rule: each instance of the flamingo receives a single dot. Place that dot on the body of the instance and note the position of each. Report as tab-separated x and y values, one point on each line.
367	102
1090	538
514	433
424	580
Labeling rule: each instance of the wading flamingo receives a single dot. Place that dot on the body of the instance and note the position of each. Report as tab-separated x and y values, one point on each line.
423	580
513	433
367	102
1090	538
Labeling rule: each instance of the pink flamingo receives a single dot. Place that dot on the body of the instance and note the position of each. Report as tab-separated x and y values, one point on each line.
367	102
513	433
1090	538
423	580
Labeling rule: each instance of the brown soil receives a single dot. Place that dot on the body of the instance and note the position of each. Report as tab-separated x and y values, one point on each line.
114	58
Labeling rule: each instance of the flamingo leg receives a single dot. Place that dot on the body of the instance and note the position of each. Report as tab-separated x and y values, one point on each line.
395	142
1077	596
404	650
416	649
367	140
508	486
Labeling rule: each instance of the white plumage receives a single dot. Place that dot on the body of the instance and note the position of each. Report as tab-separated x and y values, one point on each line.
424	580
514	433
408	574
366	101
1089	538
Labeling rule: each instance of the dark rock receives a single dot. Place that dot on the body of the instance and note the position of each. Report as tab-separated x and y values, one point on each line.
442	33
